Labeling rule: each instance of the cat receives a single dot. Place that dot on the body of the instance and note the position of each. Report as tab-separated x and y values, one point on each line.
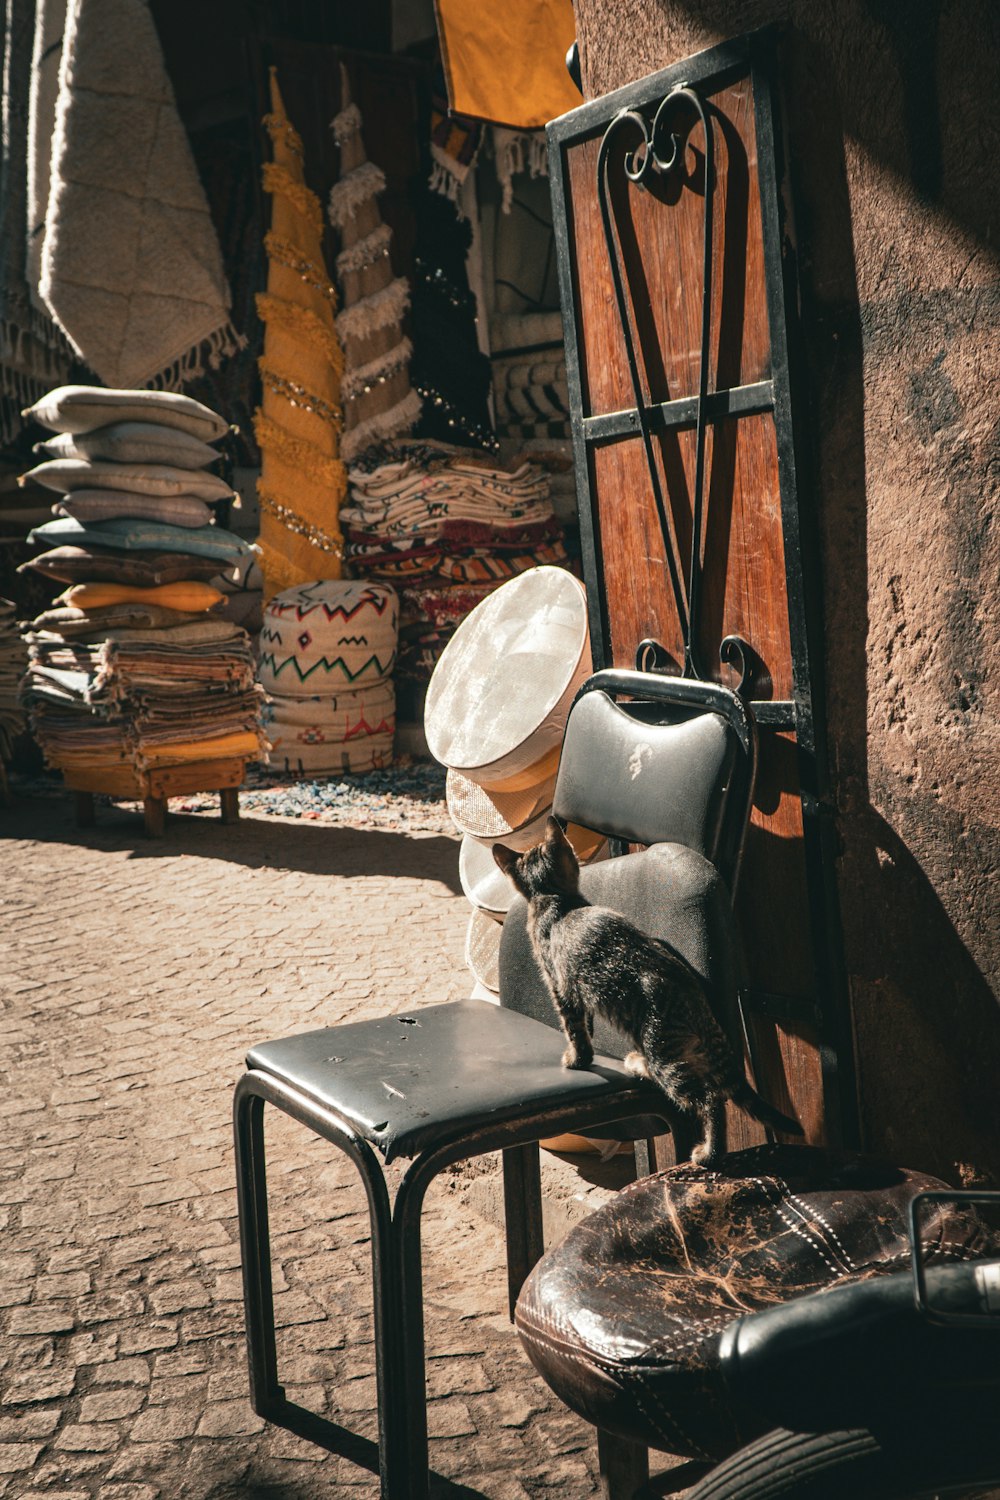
594	960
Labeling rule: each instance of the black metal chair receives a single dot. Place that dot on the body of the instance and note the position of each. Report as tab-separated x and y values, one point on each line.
673	768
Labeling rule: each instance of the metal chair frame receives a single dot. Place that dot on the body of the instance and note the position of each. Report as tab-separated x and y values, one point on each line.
401	1458
401	1455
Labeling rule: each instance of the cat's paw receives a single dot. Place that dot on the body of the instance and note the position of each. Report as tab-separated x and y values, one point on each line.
636	1064
573	1058
704	1156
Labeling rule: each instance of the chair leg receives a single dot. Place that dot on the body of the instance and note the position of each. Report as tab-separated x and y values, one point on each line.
266	1392
645	1156
624	1466
522	1203
267	1396
408	1456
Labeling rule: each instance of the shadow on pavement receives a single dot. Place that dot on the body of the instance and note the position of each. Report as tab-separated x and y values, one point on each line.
254	842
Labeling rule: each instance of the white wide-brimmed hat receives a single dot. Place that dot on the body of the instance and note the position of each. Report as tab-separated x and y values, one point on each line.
497	703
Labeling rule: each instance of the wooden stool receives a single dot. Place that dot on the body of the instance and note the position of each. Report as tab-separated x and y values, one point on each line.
153	787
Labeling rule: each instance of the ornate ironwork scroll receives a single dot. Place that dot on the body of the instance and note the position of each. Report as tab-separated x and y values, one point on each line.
660	150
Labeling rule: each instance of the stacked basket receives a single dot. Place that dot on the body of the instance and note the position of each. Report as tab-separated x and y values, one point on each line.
327	651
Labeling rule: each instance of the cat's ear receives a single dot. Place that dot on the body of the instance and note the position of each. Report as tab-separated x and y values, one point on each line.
505	858
553	832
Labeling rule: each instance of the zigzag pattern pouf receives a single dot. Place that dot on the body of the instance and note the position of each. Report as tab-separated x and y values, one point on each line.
327	652
350	732
320	638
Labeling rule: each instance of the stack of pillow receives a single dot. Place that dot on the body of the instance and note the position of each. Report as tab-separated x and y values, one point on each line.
12	664
136	543
327	651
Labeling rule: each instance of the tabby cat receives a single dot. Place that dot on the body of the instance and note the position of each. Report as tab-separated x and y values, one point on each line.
595	960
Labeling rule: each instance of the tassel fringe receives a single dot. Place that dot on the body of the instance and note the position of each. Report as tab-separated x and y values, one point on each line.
385	424
299	454
377	311
366	251
346	124
307	270
359	380
278	179
357	187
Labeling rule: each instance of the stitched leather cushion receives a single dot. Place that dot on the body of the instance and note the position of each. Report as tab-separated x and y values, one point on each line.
623	1319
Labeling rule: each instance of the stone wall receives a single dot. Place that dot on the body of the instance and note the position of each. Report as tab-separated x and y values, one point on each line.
894	139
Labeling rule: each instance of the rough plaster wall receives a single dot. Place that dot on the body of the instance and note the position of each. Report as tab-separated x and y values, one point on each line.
894	142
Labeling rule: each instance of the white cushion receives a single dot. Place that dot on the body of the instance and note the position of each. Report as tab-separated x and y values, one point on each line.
132	443
81	408
67	474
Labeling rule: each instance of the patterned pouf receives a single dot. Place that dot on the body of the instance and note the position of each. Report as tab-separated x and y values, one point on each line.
322	637
327	651
352	731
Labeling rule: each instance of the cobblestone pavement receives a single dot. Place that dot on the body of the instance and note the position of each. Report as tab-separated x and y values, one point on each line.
133	976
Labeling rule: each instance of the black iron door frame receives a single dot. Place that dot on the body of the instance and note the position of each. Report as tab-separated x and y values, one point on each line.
647	105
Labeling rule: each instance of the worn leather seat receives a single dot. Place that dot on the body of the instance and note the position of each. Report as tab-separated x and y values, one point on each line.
624	1318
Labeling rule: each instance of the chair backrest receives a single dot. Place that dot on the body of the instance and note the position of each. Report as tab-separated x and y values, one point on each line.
672	768
674	764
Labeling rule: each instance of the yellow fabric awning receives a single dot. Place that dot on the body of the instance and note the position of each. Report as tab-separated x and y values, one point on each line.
507	63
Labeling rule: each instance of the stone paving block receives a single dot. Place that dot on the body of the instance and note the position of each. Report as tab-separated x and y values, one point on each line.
42	1317
229	1419
111	1406
17	1457
88	1438
122	1372
130	1117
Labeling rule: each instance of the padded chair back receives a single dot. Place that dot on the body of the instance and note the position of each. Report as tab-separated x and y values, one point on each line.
675	764
673	769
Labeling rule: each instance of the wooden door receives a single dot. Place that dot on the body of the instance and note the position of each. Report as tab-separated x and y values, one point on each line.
720	573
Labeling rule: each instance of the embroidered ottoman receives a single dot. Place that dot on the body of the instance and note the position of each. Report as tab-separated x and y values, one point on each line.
320	638
351	731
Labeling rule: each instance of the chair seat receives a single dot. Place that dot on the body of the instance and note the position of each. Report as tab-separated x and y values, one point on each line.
624	1318
404	1081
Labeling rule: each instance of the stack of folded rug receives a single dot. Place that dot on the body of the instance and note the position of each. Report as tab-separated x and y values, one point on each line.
327	651
128	667
446	527
12	664
142	698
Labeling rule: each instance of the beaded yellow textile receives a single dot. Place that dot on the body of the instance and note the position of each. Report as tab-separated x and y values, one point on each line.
299	421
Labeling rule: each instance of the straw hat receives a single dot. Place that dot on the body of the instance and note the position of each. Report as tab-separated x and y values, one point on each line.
495	814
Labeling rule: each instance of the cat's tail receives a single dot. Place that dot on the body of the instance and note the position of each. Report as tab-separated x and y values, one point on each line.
747	1099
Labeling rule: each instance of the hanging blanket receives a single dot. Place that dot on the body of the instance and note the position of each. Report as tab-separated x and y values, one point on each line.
130	265
33	354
